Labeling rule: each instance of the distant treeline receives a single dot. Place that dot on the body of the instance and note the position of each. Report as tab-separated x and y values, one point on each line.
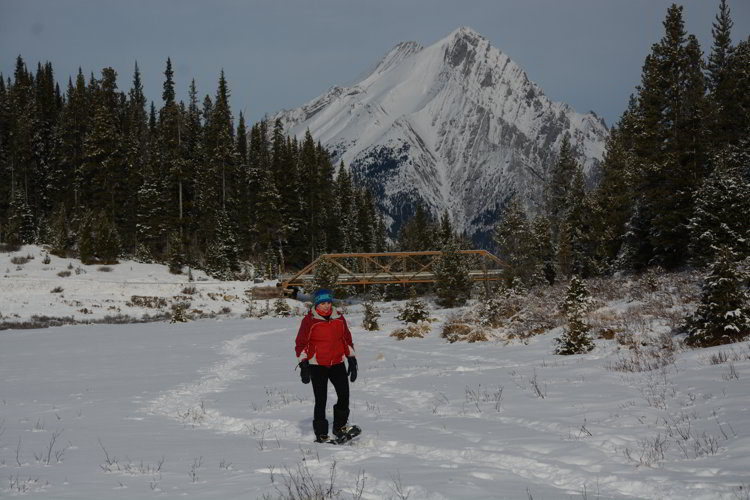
97	171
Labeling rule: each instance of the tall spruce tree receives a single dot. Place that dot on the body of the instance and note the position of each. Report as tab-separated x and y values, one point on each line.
515	244
452	281
558	184
723	315
671	144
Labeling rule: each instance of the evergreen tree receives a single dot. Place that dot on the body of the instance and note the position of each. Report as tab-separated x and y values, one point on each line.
578	220
558	184
20	228
135	152
103	168
492	307
221	255
325	276
720	218
725	117
418	232
614	195
58	233
446	232
281	308
370	320
151	226
515	244
452	281
671	145
106	240
575	338
543	249
345	214
577	297
415	310
175	255
87	238
723	315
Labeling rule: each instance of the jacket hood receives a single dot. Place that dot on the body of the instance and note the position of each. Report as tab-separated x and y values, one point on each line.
335	313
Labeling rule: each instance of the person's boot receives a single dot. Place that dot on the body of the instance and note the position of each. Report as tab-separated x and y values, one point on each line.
320	427
340	417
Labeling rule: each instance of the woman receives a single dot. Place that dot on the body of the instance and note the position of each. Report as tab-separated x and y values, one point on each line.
323	342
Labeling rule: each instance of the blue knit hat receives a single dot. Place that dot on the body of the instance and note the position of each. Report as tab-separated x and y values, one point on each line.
323	295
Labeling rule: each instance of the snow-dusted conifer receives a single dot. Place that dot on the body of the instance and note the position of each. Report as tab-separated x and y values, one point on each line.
491	308
106	240
370	320
577	296
86	240
575	338
325	276
515	243
20	228
415	310
723	315
281	308
175	255
452	281
720	215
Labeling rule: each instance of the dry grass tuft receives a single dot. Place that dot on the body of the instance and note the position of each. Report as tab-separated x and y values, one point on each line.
412	330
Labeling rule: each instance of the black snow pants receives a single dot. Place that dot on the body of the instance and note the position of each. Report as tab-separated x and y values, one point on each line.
320	375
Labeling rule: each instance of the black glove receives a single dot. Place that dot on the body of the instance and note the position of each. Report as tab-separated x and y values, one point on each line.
304	371
352	371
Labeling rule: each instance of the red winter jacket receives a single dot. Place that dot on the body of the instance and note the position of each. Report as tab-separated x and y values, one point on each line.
324	341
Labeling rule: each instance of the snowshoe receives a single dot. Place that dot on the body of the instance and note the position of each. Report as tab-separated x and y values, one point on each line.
345	434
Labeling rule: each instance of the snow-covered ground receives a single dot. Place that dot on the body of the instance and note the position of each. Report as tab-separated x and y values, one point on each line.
67	290
213	408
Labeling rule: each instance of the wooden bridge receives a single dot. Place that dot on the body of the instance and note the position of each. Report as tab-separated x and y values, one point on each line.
395	267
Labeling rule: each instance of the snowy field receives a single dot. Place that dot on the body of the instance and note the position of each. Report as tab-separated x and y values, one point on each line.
214	408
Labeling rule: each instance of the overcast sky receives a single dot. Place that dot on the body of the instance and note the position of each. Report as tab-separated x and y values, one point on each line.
281	53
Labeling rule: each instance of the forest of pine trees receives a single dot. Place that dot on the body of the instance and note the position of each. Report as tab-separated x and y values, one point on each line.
99	172
674	183
102	173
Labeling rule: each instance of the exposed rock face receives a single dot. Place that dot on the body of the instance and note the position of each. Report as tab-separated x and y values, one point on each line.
457	125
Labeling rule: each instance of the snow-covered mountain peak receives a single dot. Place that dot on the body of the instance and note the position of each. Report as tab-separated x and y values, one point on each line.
456	125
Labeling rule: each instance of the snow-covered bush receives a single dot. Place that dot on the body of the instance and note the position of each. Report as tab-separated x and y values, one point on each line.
179	313
414	310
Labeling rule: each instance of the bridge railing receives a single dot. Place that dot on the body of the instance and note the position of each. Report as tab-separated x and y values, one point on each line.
396	267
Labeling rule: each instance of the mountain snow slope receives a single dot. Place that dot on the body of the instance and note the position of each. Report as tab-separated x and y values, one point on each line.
457	125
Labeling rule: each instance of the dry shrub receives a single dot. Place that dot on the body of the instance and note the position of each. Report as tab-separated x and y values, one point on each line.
605	324
104	269
412	330
20	260
606	289
189	290
63	274
458	329
644	353
147	301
